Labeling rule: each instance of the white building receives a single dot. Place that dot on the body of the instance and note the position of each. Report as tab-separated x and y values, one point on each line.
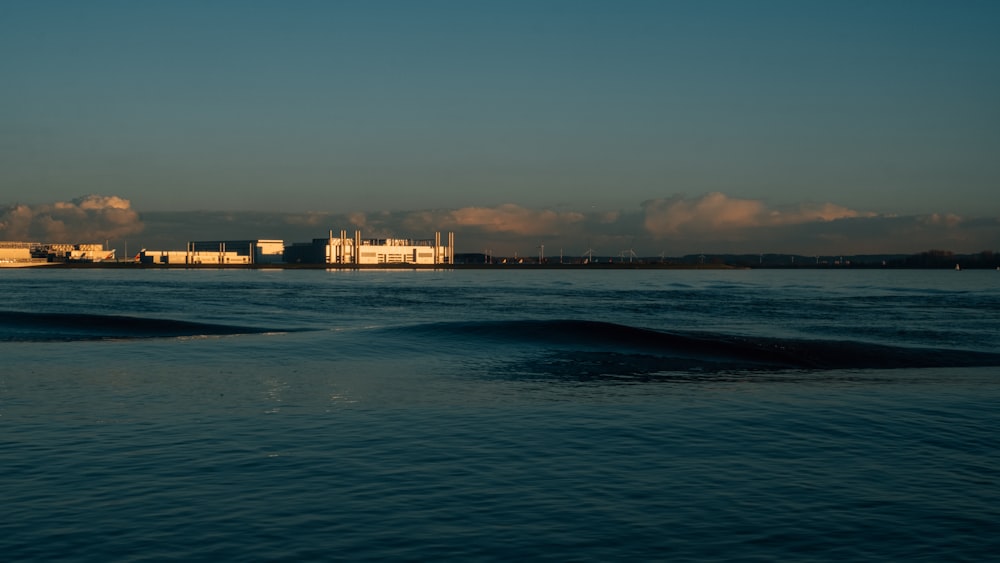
16	252
219	252
12	251
361	251
247	251
189	257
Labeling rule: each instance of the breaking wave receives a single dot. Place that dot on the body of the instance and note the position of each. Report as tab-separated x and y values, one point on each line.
64	327
651	350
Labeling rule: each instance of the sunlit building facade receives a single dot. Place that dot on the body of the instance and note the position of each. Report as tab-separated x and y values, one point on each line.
220	252
356	251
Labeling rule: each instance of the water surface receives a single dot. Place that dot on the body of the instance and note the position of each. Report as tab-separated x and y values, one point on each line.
492	415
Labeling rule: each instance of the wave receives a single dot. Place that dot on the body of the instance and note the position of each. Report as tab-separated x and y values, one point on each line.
65	327
654	349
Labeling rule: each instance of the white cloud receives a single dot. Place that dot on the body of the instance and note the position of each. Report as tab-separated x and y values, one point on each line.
942	219
513	219
91	218
718	213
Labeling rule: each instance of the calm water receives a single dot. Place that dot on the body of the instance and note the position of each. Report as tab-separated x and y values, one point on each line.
495	415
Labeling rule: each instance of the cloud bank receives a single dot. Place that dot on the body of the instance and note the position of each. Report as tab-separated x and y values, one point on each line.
87	219
674	225
718	213
514	219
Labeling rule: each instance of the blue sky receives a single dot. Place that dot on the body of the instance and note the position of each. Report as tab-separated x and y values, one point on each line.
660	124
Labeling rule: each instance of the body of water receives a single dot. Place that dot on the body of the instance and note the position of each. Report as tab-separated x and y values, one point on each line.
499	414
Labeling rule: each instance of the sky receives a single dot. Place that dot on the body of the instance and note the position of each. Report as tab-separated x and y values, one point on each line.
662	127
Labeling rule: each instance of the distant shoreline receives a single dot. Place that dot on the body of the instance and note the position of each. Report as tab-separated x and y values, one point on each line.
546	266
469	266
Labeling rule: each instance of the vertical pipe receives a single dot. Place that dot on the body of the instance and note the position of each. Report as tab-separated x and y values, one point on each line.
437	247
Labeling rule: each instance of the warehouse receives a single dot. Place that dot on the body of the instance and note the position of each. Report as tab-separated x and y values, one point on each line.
188	257
18	254
236	251
245	252
15	252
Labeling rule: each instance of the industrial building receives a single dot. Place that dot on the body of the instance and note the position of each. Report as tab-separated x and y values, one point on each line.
335	251
187	257
237	251
18	252
356	251
219	252
338	251
12	251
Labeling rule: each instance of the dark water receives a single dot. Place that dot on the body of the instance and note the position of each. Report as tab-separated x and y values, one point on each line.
478	415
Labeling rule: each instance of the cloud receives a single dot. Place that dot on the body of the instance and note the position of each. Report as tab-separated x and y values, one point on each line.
720	214
91	218
357	219
941	219
608	217
507	219
311	219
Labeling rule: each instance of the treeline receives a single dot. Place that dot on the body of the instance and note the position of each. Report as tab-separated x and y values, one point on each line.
948	259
